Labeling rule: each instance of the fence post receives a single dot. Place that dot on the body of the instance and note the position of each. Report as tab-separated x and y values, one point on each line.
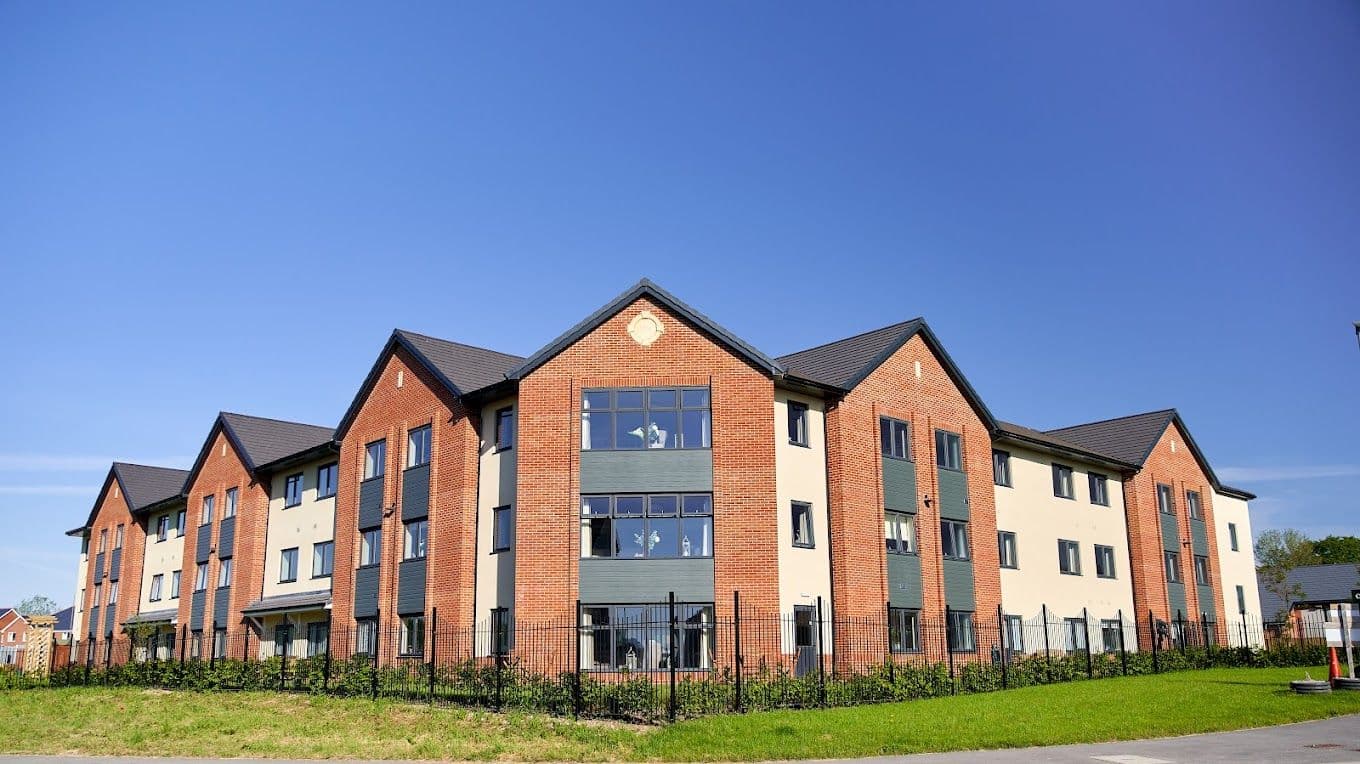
326	660
1005	659
1123	654
670	641
1086	626
576	650
183	642
736	645
949	650
887	639
1180	632
1244	630
1204	627
283	662
1048	656
1156	638
821	663
434	642
377	648
212	642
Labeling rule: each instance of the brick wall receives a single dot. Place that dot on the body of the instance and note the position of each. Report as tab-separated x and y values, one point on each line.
113	511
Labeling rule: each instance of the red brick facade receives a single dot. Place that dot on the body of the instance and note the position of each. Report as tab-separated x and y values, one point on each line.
112	513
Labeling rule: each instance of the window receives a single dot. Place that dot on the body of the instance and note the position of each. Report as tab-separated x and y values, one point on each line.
375	459
1192	505
196	645
1099	486
292	490
413	635
798	434
1201	570
1069	557
954	539
156	581
370	548
118	537
1062	482
229	510
323	558
113	592
1241	600
414	548
201	577
959	632
1232	536
418	447
326	477
500	631
1165	503
948	451
646	418
1015	634
179	523
505	428
893	435
1173	567
1104	561
1001	468
288	565
207	515
224	573
219	643
318	638
802	525
904	630
635	637
1076	633
502	528
647	526
162	528
899	531
169	645
103	540
366	642
174	584
1111	635
95	601
1005	543
283	638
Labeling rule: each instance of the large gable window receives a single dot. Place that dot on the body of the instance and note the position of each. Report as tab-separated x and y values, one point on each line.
645	418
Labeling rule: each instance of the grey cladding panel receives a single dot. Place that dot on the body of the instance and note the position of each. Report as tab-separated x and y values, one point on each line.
366	592
1171	534
652	471
1206	601
1199	537
115	564
226	537
641	581
202	543
94	621
1175	594
904	580
415	493
196	610
953	495
899	485
411	587
958	584
370	503
99	567
221	606
109	613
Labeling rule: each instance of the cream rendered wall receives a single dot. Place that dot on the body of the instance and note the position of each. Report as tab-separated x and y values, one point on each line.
302	526
800	475
495	488
82	570
160	558
1236	568
264	647
1039	519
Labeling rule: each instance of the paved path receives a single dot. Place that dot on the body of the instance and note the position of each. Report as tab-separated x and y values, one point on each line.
1332	740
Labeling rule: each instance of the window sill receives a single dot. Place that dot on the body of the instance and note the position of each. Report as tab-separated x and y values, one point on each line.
951	469
502	449
1010	567
958	559
323	575
797	545
897	458
290	506
912	553
642	450
1002	485
327	496
498	550
371	478
288	580
1060	496
415	467
800	445
652	559
1107	578
370	565
1070	573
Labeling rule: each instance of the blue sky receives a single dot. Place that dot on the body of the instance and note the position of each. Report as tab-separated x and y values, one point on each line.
1101	210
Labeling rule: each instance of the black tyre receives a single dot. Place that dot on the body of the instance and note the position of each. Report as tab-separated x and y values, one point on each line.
1346	683
1310	687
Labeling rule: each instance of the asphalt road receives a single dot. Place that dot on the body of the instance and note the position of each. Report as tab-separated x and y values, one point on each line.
1329	741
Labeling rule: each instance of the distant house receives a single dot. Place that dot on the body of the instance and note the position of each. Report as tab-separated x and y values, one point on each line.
13	636
62	631
1313	587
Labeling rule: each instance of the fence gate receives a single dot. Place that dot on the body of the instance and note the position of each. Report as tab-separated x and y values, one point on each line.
803	639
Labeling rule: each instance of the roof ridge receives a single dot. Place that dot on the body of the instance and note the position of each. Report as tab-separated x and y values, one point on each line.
1111	419
854	336
410	333
117	463
273	419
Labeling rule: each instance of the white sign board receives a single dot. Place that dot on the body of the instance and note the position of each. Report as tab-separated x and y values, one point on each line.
1333	629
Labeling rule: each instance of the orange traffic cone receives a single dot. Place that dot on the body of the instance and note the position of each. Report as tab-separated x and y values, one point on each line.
1334	667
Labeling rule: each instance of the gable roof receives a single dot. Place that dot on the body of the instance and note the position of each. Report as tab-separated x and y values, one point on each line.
1320	584
646	288
1027	436
1132	438
65	618
141	486
260	441
843	364
461	369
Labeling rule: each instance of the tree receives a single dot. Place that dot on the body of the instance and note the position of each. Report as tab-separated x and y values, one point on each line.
1337	549
37	605
1277	553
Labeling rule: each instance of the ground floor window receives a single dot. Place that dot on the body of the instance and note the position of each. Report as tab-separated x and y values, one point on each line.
196	645
413	635
219	643
1015	634
283	637
904	630
636	637
169	645
500	631
318	638
1111	635
1076	633
959	632
366	636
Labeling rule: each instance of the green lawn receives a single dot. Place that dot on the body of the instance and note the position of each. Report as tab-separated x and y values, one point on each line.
157	723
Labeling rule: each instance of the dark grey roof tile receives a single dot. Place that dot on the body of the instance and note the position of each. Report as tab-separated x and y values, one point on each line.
267	440
840	363
466	367
1128	438
144	485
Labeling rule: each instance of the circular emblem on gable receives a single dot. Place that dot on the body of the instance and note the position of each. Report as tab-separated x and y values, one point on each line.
645	328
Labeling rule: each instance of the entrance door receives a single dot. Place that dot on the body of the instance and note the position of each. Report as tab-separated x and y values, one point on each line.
804	640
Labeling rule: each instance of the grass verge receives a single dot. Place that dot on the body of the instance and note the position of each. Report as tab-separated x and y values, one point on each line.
135	722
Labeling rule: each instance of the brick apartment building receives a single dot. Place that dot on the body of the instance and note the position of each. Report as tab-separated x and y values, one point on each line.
650	452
